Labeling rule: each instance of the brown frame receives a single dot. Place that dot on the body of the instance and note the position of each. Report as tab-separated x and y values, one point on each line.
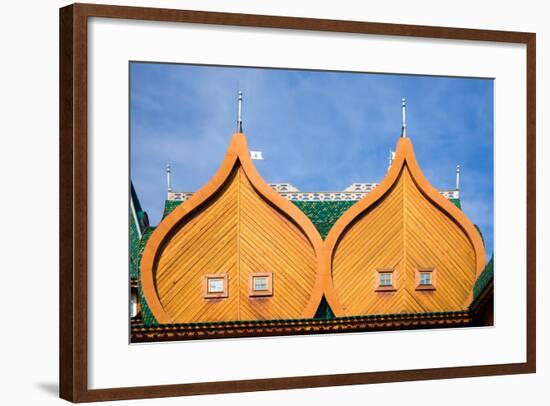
261	293
433	279
73	200
215	295
385	288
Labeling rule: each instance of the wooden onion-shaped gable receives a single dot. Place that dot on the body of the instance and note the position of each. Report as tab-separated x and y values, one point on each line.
404	225
236	225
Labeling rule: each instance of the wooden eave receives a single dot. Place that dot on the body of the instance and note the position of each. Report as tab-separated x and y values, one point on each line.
182	332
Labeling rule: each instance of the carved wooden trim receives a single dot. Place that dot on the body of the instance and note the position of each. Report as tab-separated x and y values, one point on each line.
197	331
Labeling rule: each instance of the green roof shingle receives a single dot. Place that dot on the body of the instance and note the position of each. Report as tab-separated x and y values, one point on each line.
484	278
323	214
134	247
146	314
138	224
169	206
456	202
324	311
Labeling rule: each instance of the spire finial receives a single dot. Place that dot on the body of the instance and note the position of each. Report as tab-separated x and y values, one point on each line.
168	178
403	118
457	177
239	114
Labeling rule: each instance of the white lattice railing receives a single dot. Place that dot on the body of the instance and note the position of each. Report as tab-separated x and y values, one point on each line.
450	194
354	192
360	187
179	196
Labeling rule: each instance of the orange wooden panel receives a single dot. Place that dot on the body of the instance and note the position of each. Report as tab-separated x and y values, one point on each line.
406	225
235	225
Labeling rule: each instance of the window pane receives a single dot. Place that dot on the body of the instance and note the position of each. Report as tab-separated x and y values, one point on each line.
385	279
215	285
260	283
425	278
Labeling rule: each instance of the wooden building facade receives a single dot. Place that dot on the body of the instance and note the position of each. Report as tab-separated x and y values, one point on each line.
240	257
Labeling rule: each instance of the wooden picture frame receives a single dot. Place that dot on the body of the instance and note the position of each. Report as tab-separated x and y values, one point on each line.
74	201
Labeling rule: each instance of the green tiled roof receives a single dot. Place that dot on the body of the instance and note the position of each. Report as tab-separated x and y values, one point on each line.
324	311
484	279
169	206
146	314
137	225
137	245
134	247
456	202
323	214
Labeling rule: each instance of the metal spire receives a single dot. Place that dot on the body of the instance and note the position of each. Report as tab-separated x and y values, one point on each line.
457	177
239	115
403	119
168	178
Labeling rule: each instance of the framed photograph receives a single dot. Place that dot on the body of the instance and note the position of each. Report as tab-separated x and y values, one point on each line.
256	202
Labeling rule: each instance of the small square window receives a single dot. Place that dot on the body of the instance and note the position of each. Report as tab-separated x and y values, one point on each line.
385	280
425	279
261	284
215	286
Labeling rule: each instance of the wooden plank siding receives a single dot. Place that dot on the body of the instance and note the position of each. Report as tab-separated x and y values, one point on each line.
404	231
237	225
239	233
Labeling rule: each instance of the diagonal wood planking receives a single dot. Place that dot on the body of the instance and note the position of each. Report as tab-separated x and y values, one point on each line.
237	232
405	231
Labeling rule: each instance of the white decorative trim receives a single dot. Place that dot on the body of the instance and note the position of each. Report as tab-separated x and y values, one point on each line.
352	193
450	194
283	187
323	196
360	187
179	196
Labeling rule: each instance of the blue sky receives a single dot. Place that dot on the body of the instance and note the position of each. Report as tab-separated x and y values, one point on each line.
317	130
